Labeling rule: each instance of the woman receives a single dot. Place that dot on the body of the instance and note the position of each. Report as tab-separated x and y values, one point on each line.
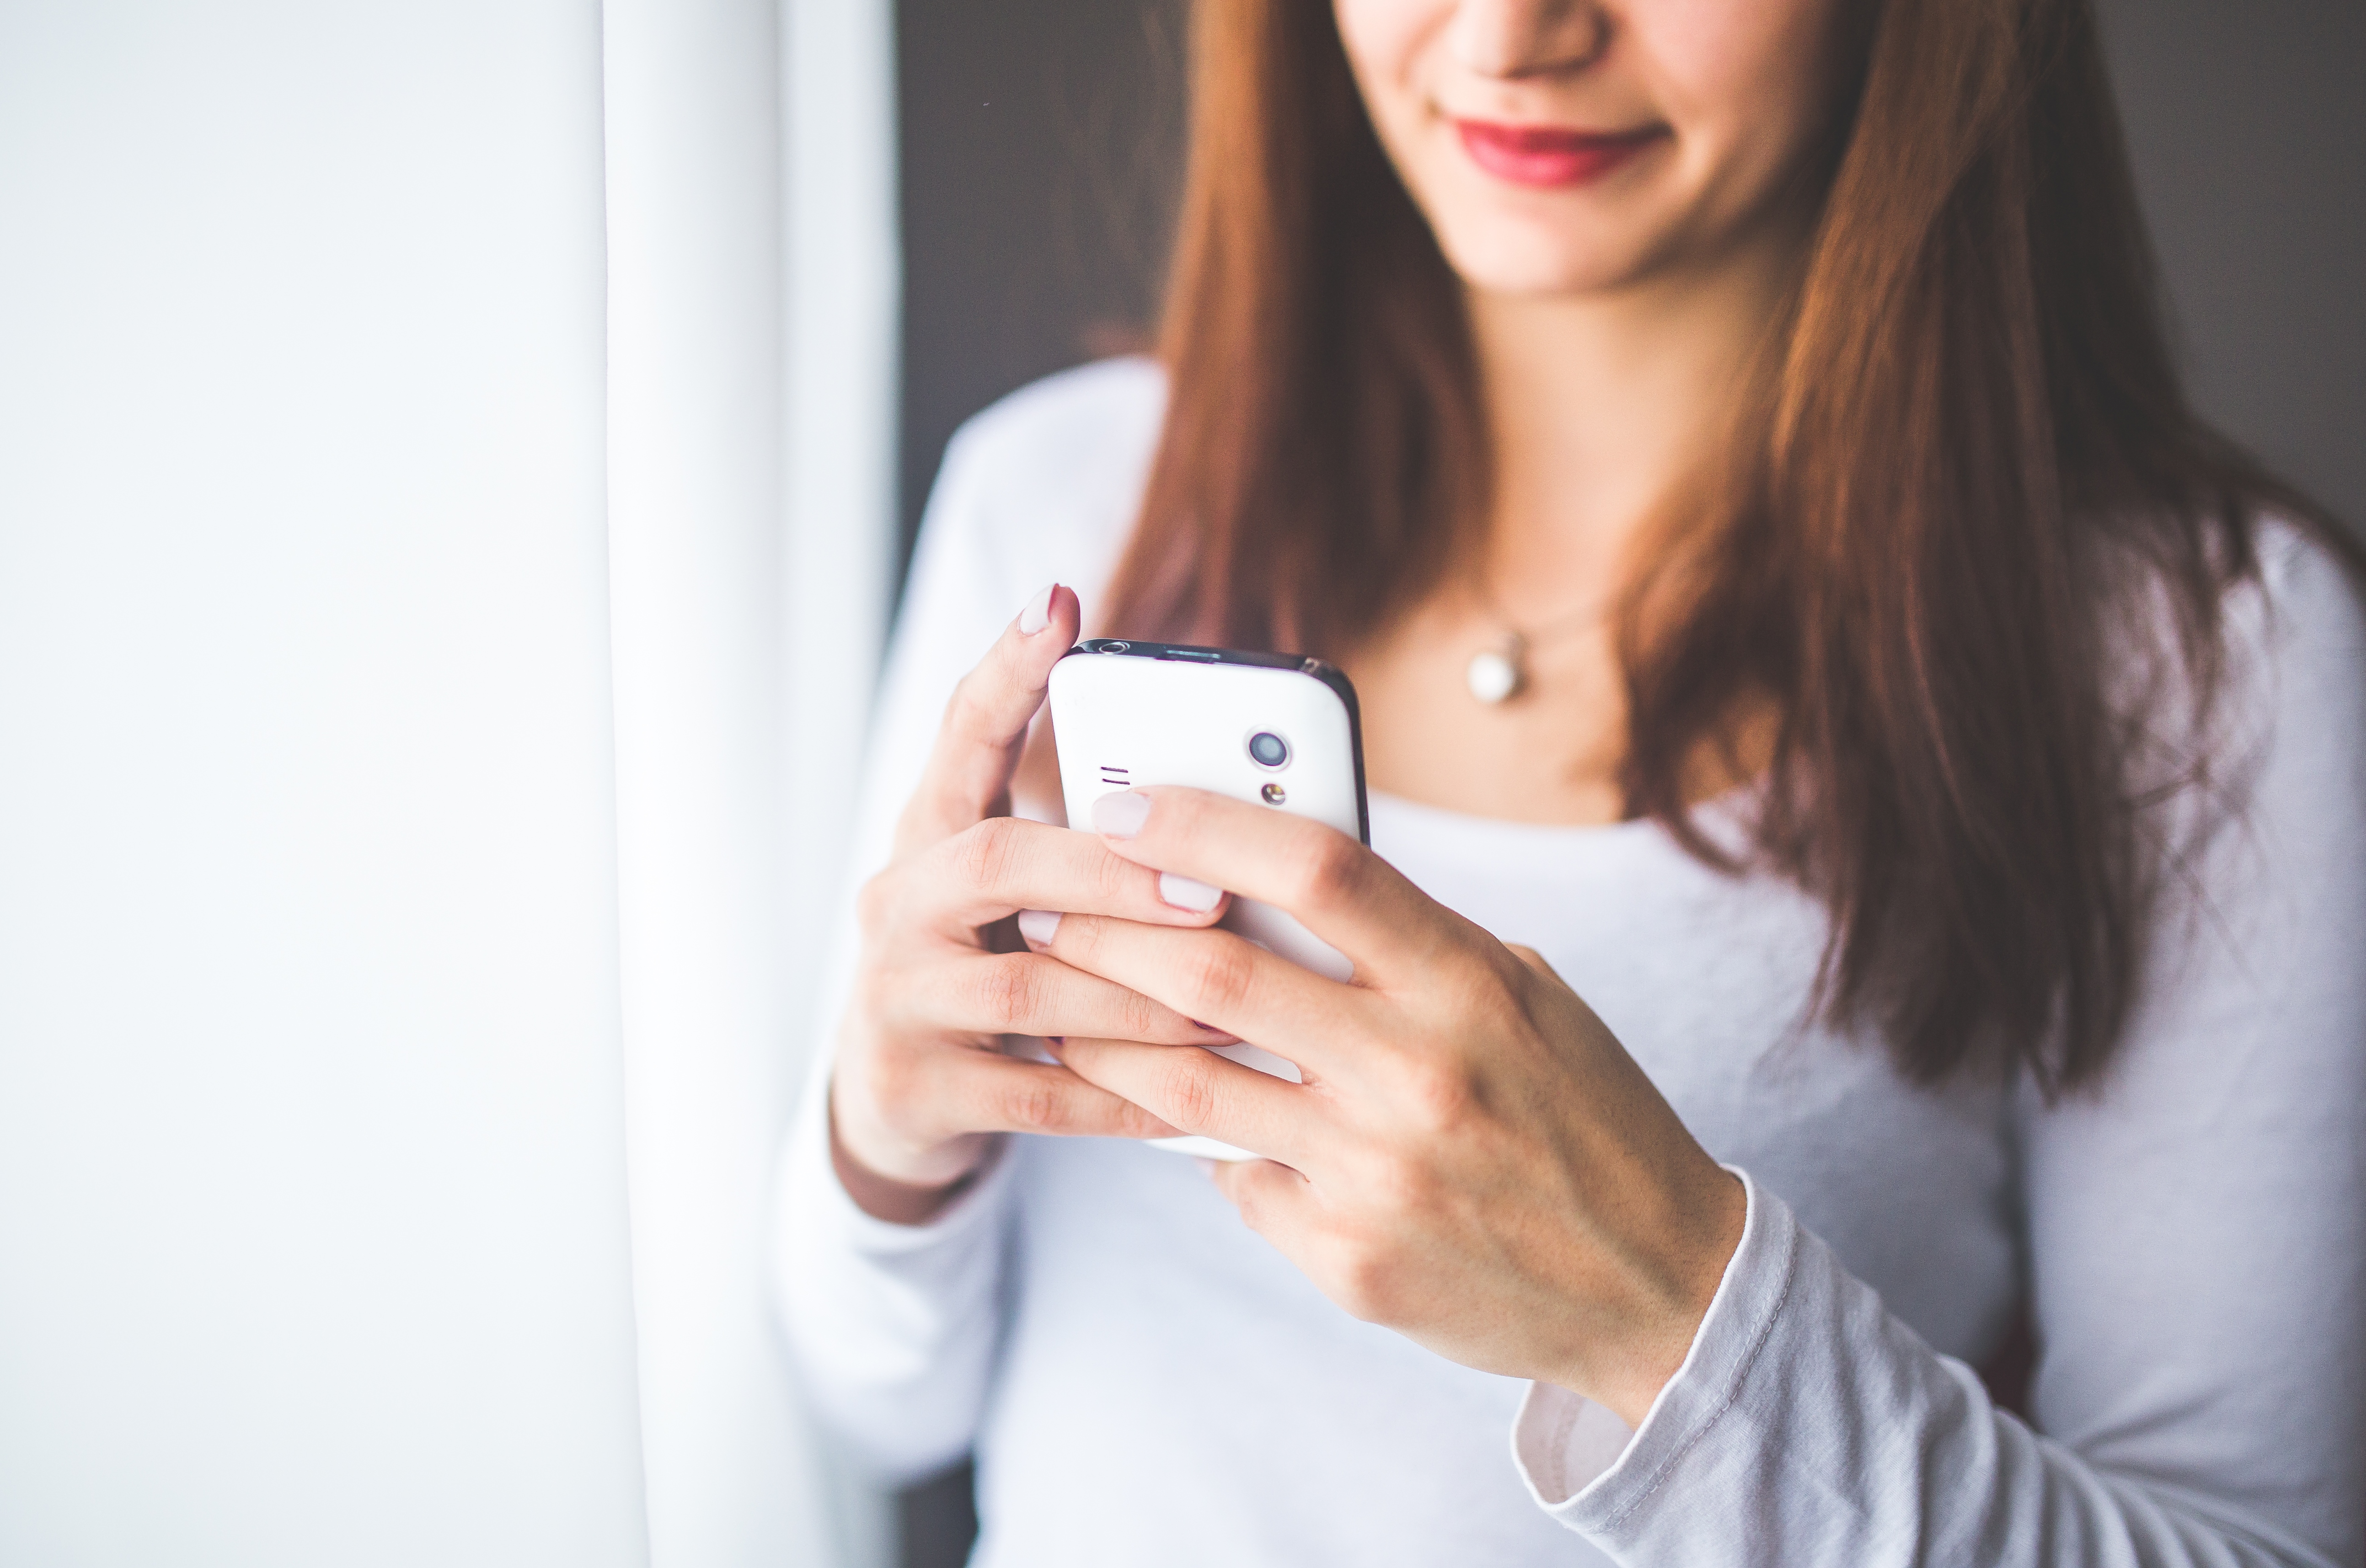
1928	796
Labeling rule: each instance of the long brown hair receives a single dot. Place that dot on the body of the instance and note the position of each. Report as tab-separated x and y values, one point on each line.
1969	405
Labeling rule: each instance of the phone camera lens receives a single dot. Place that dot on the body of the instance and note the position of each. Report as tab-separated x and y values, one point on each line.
1267	749
1115	647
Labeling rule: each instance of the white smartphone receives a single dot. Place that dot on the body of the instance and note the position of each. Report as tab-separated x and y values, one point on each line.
1276	729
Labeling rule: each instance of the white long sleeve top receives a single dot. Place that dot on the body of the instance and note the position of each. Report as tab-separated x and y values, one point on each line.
1145	1381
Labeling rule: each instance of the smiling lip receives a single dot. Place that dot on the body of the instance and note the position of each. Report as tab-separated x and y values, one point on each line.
1551	155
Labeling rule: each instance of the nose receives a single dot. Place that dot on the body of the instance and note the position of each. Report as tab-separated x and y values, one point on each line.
1524	37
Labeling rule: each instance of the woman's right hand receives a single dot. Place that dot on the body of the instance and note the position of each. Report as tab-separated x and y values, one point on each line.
922	1089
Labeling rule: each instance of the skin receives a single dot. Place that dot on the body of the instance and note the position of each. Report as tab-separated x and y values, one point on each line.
1473	1160
1613	322
922	1087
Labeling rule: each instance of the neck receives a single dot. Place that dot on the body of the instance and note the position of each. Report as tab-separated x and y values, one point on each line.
1599	405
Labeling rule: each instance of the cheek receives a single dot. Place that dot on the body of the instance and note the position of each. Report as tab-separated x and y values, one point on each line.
1741	81
1394	49
1739	73
1372	29
1385	42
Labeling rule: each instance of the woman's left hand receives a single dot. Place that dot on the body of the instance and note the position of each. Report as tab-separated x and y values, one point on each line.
1472	1160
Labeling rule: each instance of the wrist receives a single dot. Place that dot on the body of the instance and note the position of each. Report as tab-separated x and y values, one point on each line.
912	1195
1663	1338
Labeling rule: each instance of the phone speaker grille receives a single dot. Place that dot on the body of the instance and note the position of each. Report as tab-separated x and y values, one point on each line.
1117	776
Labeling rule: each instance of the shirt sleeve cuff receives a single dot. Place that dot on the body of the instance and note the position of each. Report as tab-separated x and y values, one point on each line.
1581	1462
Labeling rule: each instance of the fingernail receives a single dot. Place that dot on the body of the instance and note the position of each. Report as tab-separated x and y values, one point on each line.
1120	815
1207	1166
1038	613
1039	926
1183	892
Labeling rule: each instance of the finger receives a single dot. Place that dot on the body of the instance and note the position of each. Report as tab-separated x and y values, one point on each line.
1028	993
1271	1196
1205	1094
1007	864
978	1092
1341	890
985	726
1222	980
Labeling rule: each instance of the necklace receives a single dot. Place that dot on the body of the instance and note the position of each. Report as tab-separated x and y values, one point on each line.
1497	674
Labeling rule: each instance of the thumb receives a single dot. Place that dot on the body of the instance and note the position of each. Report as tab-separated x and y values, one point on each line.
984	728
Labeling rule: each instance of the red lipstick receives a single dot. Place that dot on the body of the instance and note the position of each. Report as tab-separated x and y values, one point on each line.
1546	155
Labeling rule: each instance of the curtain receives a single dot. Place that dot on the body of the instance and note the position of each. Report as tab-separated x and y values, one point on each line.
752	297
443	521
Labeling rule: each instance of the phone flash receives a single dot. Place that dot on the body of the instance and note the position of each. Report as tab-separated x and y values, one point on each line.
1274	794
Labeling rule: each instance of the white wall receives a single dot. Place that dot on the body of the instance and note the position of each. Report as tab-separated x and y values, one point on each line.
312	1161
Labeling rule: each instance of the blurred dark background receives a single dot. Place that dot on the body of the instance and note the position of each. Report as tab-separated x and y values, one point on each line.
1041	150
1041	157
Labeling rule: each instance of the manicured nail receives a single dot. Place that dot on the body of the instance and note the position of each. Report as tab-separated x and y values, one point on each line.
1039	926
1120	815
1183	892
1038	613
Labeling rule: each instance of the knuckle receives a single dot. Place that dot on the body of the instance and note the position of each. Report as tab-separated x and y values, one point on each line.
1521	971
1363	1279
1441	1095
983	856
1325	871
1035	1104
1189	1095
1400	1186
971	705
1134	1121
893	1001
1081	939
1218	979
1111	877
1137	1017
1009	992
1249	1202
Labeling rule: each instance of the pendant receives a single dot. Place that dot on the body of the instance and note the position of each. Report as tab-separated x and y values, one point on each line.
1497	675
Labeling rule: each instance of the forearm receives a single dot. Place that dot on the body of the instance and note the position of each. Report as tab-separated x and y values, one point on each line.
1810	1426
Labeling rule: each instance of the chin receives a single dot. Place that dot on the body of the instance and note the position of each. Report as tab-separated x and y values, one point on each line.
1518	259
